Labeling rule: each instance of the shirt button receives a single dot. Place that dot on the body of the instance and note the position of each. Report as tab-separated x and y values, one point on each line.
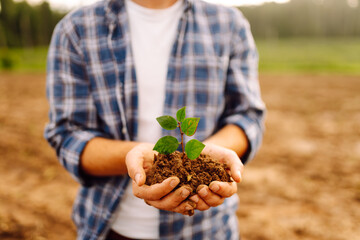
124	130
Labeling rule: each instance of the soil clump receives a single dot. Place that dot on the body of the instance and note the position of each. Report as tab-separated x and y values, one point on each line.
192	173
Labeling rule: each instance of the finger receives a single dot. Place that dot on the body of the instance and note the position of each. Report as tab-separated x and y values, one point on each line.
236	166
224	189
186	208
156	191
172	200
210	198
134	163
200	204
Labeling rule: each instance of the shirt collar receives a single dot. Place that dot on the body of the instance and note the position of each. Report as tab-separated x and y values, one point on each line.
114	7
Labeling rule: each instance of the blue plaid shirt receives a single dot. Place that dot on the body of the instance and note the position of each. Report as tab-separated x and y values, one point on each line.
91	87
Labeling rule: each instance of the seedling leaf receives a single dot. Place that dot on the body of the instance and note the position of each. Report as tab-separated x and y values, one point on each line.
180	115
166	145
193	148
167	122
189	126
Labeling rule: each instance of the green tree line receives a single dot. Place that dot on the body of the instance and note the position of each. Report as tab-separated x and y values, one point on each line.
305	18
25	25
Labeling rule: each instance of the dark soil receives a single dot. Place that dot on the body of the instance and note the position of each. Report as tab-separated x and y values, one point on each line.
192	173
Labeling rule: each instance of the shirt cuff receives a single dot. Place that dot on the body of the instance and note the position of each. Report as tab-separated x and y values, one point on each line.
70	154
253	130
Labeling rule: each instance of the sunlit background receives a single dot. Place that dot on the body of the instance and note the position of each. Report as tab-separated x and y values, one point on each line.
68	4
327	31
303	184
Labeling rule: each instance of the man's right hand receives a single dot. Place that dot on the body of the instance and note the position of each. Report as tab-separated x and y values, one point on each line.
138	161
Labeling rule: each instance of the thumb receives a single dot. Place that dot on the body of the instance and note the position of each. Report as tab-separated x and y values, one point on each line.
134	164
237	170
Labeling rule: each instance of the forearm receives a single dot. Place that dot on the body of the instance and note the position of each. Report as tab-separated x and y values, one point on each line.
105	157
231	137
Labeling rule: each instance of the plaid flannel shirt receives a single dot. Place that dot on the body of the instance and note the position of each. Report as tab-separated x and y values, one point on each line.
91	87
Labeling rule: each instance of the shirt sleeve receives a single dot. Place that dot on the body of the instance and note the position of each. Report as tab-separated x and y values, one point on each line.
243	104
72	115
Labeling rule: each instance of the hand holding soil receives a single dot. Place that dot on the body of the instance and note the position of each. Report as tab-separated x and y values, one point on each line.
227	157
215	194
182	182
161	195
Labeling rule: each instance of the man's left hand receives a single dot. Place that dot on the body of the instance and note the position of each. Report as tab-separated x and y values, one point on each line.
215	194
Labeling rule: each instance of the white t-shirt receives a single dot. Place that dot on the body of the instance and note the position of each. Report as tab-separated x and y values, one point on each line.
153	33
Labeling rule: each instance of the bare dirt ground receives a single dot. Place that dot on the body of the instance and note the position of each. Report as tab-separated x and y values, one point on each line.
303	184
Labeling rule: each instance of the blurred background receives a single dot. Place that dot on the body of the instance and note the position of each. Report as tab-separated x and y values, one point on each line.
303	184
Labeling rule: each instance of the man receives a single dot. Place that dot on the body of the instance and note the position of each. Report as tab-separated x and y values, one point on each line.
114	67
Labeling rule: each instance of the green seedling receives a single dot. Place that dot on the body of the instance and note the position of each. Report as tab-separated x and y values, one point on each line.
187	126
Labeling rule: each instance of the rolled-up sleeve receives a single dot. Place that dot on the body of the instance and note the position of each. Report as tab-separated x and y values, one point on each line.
244	106
72	115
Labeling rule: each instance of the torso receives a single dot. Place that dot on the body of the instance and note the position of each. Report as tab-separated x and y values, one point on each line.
152	36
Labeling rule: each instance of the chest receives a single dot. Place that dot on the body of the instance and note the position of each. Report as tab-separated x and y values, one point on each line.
195	75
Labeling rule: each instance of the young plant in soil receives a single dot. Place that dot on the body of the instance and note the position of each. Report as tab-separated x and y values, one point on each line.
187	126
190	166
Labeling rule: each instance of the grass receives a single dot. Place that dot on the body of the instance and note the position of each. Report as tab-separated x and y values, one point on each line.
23	60
308	55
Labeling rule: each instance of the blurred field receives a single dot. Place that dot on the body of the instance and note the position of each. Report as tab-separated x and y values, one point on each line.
23	59
304	183
310	55
293	55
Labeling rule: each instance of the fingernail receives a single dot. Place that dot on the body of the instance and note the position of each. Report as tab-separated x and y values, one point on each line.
215	187
137	178
187	208
192	204
185	193
174	183
203	192
195	198
240	177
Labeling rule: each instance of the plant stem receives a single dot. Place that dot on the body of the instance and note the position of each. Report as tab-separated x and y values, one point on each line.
182	138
